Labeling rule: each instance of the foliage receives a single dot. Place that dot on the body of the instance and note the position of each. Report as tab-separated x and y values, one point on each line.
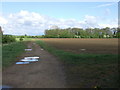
21	39
26	36
8	39
82	33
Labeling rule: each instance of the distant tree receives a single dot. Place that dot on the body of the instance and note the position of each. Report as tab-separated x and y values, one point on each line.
79	33
118	33
114	31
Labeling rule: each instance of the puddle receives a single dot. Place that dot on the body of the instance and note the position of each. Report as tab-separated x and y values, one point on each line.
31	57
28	49
22	62
28	60
42	49
83	49
5	87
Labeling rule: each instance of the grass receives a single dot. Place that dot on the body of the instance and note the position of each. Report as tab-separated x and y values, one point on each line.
87	70
24	39
10	52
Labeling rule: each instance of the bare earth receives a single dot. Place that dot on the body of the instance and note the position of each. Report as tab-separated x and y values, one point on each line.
46	73
92	45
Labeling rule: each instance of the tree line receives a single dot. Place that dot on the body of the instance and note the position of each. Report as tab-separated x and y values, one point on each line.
12	38
67	33
83	33
28	36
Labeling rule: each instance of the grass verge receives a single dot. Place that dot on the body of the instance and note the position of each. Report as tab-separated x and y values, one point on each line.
87	70
11	51
25	39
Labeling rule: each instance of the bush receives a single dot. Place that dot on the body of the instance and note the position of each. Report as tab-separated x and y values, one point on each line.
21	39
8	39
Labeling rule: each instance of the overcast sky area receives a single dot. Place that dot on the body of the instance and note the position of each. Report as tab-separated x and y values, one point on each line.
32	18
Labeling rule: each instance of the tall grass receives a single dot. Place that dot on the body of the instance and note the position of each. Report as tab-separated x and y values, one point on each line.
87	70
10	52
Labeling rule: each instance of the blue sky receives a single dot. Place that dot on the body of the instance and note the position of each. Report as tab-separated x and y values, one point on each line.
100	14
62	9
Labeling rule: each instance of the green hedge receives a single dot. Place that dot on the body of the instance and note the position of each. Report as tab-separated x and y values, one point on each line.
8	39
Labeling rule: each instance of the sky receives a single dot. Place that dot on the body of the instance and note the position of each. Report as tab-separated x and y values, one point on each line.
32	18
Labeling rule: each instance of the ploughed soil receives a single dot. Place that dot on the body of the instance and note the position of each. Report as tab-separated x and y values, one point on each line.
46	73
91	46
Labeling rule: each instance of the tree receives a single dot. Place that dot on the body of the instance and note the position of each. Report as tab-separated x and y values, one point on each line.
114	30
118	33
79	33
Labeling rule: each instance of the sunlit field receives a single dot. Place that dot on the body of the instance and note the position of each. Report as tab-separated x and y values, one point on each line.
96	65
92	46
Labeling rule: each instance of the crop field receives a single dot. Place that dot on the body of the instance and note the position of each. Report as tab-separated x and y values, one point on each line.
88	62
92	46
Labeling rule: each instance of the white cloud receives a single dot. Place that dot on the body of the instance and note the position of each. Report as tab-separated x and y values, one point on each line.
91	21
2	21
108	25
32	23
106	5
112	23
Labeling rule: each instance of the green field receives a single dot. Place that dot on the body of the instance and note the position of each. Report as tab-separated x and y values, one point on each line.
87	70
11	51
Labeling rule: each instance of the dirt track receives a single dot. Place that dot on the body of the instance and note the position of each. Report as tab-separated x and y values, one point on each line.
46	73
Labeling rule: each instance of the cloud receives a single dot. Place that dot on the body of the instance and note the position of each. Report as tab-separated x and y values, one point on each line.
108	25
32	23
91	21
106	5
3	21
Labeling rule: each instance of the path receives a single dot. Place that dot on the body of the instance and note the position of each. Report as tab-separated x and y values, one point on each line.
46	73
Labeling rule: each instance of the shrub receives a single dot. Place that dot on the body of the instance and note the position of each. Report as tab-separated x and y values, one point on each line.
21	39
8	39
